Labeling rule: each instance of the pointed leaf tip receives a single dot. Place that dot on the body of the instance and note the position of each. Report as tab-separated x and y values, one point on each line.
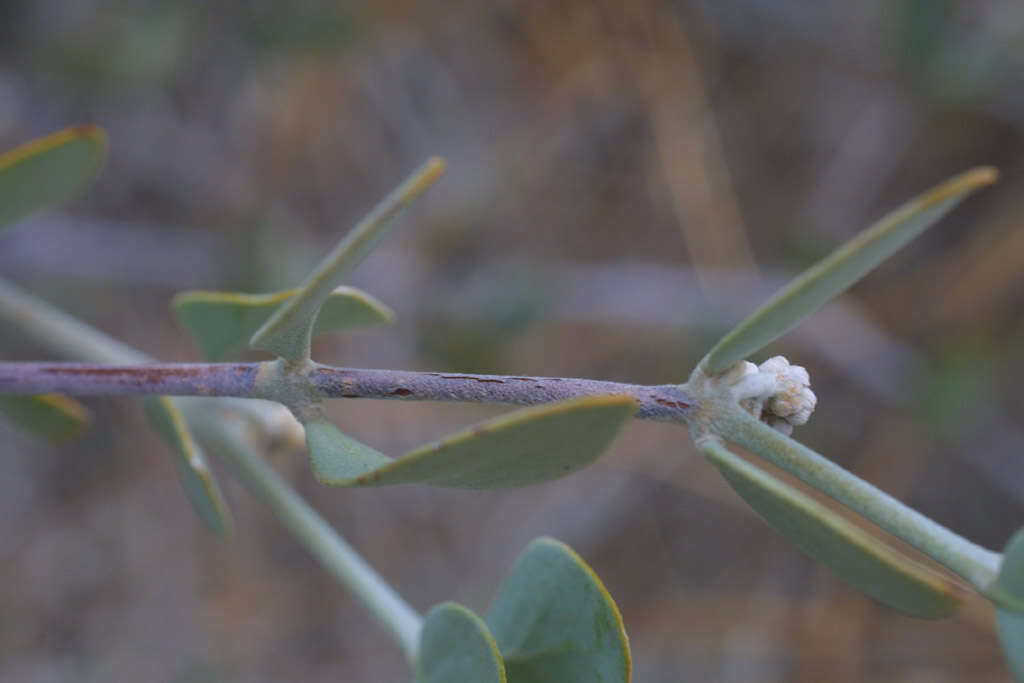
831	276
554	620
455	645
527	446
288	330
49	171
864	562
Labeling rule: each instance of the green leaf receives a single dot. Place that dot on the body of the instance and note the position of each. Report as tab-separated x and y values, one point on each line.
455	645
49	171
863	561
1011	637
223	322
524	447
193	472
555	622
337	456
835	273
288	331
53	417
1007	590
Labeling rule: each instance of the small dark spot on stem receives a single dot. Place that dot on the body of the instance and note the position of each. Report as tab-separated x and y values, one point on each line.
670	404
401	391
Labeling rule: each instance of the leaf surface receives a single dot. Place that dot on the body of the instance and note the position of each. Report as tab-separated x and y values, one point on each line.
524	447
53	417
336	456
1011	636
455	645
49	171
866	563
555	622
223	322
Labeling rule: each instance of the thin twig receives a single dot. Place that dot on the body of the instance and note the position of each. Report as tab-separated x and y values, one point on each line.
665	403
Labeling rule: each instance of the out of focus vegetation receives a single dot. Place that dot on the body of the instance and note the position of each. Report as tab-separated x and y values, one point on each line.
616	172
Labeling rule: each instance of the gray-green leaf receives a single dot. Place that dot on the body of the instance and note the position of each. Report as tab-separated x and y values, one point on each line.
1011	637
288	331
524	447
555	622
49	171
191	465
1008	589
53	417
863	561
223	322
336	456
835	273
455	645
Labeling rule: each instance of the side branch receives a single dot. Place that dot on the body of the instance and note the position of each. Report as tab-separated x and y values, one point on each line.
665	403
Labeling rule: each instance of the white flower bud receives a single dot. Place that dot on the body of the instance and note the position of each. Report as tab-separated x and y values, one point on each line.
776	392
793	401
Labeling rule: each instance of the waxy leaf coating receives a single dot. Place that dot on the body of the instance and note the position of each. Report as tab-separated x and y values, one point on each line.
555	622
49	171
223	322
524	447
866	563
53	417
455	645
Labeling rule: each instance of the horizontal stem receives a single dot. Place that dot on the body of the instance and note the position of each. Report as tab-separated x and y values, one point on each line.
666	402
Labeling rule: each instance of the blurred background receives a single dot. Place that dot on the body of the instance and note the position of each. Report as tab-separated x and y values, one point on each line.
626	180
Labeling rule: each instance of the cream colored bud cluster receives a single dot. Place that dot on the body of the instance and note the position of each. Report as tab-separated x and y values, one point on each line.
776	392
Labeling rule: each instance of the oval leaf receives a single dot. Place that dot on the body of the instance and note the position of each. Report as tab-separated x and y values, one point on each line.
863	561
288	331
223	322
193	471
1007	590
455	645
835	273
524	447
1011	637
49	171
336	456
53	417
555	622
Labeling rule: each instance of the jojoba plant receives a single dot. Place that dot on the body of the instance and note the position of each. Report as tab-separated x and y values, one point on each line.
552	619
